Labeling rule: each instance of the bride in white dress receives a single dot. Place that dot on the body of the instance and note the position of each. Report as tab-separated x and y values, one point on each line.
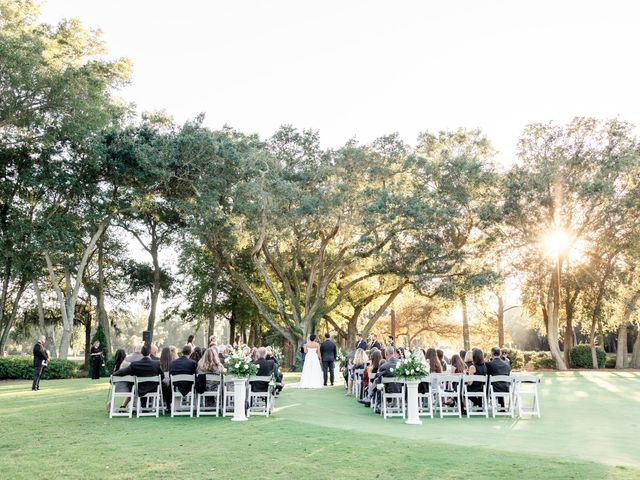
312	371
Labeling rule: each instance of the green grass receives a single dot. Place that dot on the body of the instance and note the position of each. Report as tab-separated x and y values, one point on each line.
590	428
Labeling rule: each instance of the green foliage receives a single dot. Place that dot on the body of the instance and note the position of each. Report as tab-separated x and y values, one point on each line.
543	360
100	337
580	357
15	368
527	356
516	357
610	362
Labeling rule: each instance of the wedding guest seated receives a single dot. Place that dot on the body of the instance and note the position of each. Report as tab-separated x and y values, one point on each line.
468	358
136	355
458	365
265	369
174	352
166	357
431	357
495	367
359	363
145	367
372	369
121	362
277	374
387	369
183	366
478	367
154	352
196	355
221	349
209	363
443	360
505	357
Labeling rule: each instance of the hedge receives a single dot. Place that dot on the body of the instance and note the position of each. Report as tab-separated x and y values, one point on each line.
21	368
610	362
543	360
580	357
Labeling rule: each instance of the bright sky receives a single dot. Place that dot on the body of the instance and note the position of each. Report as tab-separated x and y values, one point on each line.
367	68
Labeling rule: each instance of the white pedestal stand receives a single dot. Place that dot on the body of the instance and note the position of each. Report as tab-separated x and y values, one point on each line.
412	403
240	395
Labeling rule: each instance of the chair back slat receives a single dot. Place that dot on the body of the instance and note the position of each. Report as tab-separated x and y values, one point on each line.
210	377
526	379
154	379
183	378
501	378
474	378
260	378
126	378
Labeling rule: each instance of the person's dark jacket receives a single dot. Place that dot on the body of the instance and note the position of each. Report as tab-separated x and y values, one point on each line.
39	355
361	344
266	368
387	369
183	366
377	345
496	367
328	351
142	368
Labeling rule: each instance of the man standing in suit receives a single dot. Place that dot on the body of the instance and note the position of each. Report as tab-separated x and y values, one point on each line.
374	342
497	366
145	367
40	358
360	343
183	366
329	352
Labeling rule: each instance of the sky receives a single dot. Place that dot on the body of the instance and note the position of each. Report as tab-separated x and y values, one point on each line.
368	68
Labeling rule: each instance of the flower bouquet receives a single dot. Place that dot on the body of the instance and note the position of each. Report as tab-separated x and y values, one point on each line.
411	367
237	365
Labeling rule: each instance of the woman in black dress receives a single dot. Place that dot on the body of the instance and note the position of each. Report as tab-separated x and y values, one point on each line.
96	360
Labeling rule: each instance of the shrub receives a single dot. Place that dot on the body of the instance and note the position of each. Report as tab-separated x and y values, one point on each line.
515	356
580	357
101	337
528	356
543	360
610	362
21	368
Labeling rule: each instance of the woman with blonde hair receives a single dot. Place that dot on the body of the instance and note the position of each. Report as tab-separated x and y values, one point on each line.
210	363
359	362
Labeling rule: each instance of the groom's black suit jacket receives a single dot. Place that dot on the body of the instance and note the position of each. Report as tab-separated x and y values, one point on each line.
328	351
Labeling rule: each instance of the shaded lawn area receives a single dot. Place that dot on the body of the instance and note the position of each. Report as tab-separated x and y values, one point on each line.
590	428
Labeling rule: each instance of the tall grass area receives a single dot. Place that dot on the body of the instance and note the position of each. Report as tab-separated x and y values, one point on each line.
589	429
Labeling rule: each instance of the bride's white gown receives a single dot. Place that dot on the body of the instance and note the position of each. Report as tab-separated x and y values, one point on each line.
311	371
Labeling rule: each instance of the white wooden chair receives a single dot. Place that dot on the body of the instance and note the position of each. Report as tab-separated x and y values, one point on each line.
507	397
425	400
393	404
260	403
472	409
526	387
228	397
153	399
358	377
448	390
178	400
116	397
202	408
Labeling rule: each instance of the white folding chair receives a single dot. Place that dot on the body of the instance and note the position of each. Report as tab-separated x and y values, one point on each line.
178	400
448	390
393	403
472	409
202	408
506	410
153	399
526	387
228	399
358	377
115	396
260	403
425	400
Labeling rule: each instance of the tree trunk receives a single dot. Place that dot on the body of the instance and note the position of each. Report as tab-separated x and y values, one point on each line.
553	309
50	343
103	318
232	327
13	315
568	328
500	318
621	353
3	297
592	344
155	289
214	302
87	340
465	324
393	323
635	359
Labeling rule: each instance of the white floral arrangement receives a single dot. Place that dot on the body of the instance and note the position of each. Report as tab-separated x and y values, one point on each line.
277	353
237	365
411	367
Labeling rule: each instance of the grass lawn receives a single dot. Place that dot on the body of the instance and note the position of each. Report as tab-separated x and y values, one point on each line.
590	428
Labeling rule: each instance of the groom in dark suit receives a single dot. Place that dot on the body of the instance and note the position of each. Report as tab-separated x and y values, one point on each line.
328	352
